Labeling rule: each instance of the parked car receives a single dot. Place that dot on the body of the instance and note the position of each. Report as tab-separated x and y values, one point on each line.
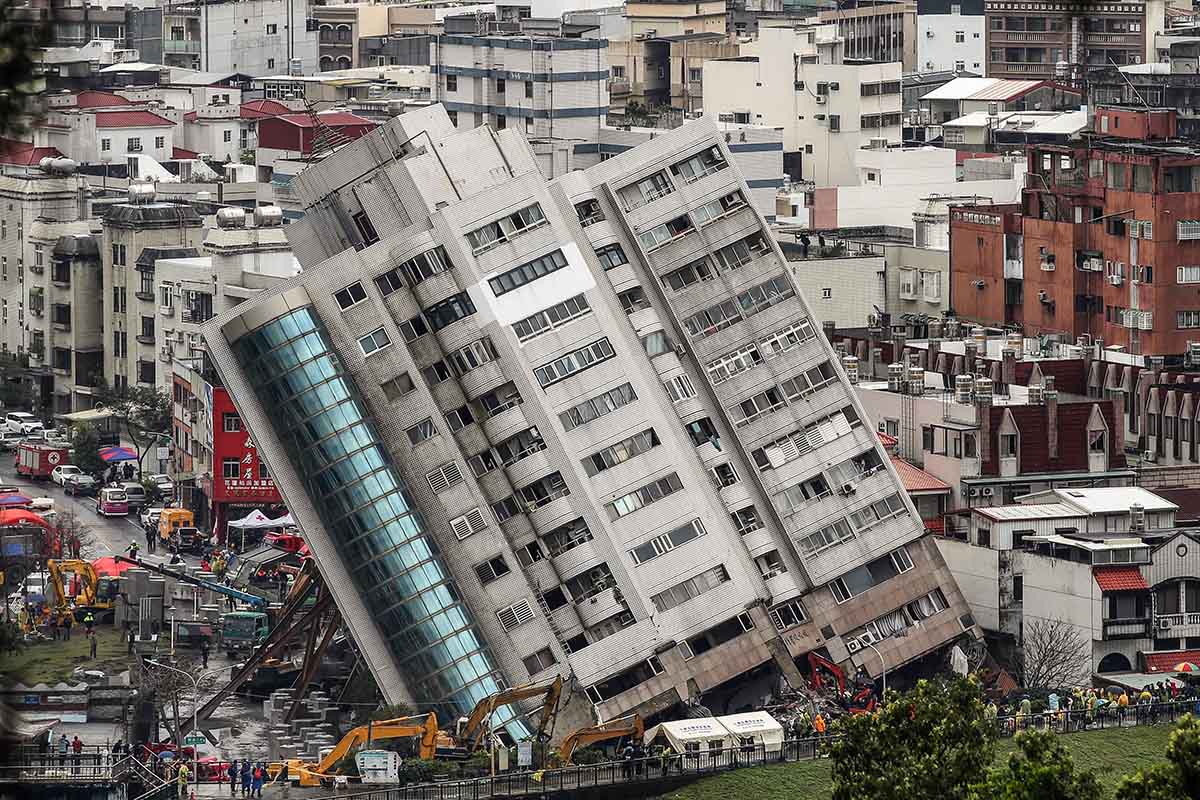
164	484
81	484
22	422
10	439
135	494
63	471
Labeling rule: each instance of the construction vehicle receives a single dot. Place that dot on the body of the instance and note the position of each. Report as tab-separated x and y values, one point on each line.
861	701
97	594
254	600
630	726
423	727
469	732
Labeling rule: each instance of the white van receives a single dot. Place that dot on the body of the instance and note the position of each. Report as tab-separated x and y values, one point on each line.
22	422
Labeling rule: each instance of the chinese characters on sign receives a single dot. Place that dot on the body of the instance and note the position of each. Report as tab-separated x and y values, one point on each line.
976	217
253	479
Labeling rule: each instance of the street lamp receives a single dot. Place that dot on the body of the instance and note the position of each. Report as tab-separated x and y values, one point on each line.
195	679
900	634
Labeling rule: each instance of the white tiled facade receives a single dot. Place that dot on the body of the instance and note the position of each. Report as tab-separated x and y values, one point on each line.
668	594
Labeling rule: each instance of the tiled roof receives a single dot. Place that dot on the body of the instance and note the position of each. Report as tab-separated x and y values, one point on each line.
190	116
94	99
333	119
888	440
916	479
131	119
256	109
24	154
1119	579
183	152
1165	662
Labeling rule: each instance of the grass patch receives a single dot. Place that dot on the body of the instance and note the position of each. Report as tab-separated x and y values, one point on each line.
53	662
1110	754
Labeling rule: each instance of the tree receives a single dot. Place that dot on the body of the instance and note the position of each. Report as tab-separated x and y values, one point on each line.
19	85
73	530
1177	779
144	412
1054	654
86	443
933	741
1041	769
174	690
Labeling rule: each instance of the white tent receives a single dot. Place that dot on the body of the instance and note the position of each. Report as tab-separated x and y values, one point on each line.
757	725
693	735
284	521
255	519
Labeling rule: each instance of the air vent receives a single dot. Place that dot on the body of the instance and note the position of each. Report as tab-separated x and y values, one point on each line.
515	615
442	479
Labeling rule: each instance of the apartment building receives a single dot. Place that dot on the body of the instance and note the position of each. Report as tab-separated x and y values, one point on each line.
1122	275
880	32
552	89
256	37
582	404
794	77
1170	85
951	36
339	28
664	71
653	18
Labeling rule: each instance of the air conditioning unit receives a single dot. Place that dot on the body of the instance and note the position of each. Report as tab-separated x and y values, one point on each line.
987	491
821	99
1148	455
978	284
1115	280
853	645
1047	266
1164	624
973	493
1043	296
929	33
847	488
867	637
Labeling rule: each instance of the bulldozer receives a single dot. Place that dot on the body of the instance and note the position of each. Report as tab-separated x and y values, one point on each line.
97	594
630	726
470	732
423	727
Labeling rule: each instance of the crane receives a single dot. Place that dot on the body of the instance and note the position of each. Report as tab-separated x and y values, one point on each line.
630	726
471	729
422	726
254	600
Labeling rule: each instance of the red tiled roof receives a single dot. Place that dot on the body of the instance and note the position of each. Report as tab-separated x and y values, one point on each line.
131	119
916	479
24	154
1119	579
190	116
333	119
94	99
1165	662
183	152
888	440
256	109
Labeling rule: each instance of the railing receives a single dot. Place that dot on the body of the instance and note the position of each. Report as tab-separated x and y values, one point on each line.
181	45
1136	627
1176	620
1021	68
1025	36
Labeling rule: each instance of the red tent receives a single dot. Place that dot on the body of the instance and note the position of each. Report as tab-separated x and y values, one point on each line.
21	516
110	566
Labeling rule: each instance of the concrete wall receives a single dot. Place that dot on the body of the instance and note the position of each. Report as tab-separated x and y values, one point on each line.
938	47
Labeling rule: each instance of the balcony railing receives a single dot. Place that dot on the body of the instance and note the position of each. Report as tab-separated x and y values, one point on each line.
1020	68
181	45
1129	628
1026	36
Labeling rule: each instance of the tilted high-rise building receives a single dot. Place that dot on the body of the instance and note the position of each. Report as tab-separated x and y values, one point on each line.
584	426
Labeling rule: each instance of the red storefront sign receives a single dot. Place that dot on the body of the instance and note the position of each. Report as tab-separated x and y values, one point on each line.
239	475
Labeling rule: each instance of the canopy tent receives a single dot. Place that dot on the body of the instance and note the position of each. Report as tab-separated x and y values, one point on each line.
759	726
10	500
90	416
110	566
111	455
21	516
255	520
285	521
693	735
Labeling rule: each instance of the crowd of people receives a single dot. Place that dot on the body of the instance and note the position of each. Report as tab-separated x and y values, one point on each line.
1081	708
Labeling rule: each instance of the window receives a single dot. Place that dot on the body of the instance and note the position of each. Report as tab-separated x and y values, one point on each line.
527	273
666	542
473	356
161	141
634	299
450	310
544	491
835	122
680	388
270	65
422	431
491	569
828	536
374	341
700	165
543	659
482	463
574	362
713	319
397	387
502	230
133	144
787	615
764	295
1008	445
657	343
758	405
272	29
589	212
507	508
620	452
105	145
644	496
500	399
724	475
697	272
231	468
827	293
566	537
416	269
1188	274
647	190
740	253
693	587
551	318
350	296
451	83
444	477
718	208
611	256
931	282
960	37
786	338
231	423
618	71
413	329
807	490
517	448
528	90
871	574
734	363
366	230
695	74
661	234
501	86
876	512
597	407
1187	319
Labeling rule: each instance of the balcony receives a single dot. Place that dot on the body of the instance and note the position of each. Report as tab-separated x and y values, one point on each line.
1177	625
181	46
1014	269
1020	68
600	607
1128	39
482	379
436	288
1131	628
1000	37
505	424
531	464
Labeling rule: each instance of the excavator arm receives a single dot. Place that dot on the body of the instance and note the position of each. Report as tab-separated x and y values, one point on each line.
473	731
631	726
423	726
818	663
56	585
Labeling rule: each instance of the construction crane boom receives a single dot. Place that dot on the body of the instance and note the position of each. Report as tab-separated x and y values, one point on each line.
254	600
473	730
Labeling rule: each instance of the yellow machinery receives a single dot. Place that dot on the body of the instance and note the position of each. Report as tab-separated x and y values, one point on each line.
171	520
423	726
630	726
470	731
97	594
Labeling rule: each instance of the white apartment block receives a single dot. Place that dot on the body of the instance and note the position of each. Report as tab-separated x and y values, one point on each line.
795	78
951	36
585	427
253	37
553	90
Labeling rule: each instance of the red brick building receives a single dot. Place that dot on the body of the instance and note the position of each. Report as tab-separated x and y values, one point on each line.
1108	240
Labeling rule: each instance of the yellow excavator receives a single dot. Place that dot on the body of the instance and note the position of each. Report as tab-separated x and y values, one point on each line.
97	594
630	726
469	732
423	727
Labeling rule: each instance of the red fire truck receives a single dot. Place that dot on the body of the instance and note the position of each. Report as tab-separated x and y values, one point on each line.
38	460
